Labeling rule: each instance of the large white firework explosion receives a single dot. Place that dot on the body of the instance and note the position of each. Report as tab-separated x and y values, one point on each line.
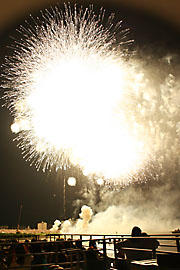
75	100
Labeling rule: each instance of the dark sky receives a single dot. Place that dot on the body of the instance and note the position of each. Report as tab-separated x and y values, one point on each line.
41	194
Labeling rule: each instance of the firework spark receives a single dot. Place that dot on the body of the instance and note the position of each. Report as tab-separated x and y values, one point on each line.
73	96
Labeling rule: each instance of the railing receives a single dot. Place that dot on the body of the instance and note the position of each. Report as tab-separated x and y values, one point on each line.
121	237
76	258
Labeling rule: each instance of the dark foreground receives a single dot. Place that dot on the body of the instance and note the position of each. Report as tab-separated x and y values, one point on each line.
90	252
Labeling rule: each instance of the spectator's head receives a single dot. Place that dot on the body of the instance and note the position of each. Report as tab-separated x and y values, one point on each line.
92	244
136	231
79	244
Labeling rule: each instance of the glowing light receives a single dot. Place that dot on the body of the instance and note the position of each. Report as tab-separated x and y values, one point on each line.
71	181
77	101
100	181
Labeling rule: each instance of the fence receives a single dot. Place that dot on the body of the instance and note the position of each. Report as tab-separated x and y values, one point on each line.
65	250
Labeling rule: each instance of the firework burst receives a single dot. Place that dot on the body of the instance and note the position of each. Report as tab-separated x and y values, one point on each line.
72	95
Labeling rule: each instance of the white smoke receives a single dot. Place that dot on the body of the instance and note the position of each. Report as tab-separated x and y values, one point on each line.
119	220
81	225
66	226
55	227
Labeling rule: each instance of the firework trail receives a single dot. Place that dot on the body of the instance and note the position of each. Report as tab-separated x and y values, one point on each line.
75	99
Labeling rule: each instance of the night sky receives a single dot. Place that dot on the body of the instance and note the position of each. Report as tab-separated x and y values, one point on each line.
41	193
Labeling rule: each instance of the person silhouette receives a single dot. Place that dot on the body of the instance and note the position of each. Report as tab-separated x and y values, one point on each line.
142	246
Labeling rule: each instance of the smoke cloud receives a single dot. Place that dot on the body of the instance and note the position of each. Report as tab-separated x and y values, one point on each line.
81	225
55	227
154	208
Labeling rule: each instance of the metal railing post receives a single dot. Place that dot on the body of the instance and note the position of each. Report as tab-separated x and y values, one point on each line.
104	248
105	253
154	253
177	244
115	251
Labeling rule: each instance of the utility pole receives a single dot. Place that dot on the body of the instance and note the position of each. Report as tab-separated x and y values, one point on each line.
64	199
19	217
